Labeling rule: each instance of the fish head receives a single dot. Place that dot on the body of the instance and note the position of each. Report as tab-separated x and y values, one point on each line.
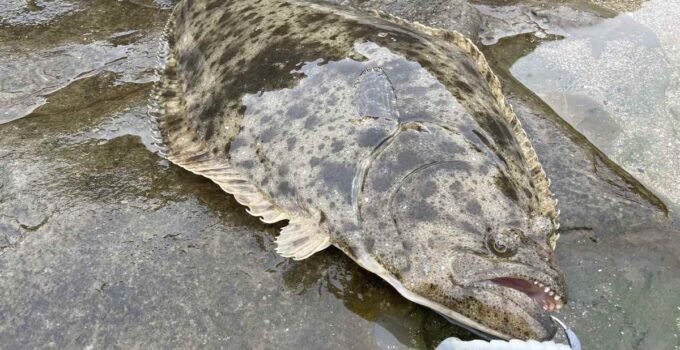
464	238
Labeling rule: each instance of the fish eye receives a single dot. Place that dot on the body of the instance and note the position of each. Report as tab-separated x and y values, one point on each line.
499	247
503	244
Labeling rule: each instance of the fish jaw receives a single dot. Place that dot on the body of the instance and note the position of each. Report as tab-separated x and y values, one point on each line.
535	322
541	293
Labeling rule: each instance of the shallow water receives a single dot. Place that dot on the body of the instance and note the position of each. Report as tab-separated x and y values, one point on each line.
105	244
618	82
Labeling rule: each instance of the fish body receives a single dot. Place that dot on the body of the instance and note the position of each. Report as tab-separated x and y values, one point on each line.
386	139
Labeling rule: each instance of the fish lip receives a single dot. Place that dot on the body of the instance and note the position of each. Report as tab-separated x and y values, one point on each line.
543	294
497	283
554	280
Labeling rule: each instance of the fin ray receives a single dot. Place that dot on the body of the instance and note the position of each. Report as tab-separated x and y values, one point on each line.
301	238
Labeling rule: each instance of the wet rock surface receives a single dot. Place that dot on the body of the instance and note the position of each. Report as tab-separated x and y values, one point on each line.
105	244
537	17
458	15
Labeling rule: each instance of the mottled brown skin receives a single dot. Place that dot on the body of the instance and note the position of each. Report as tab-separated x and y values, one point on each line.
392	135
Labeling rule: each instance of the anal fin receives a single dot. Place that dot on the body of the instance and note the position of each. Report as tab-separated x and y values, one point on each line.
302	237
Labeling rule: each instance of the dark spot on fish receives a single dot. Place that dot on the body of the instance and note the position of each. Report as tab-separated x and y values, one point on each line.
408	159
369	244
469	67
209	130
428	188
473	207
296	111
225	16
210	7
339	176
248	16
371	137
228	54
381	184
469	227
248	164
311	122
255	33
285	189
464	86
267	135
281	30
314	161
459	165
349	226
244	10
283	170
418	210
316	17
456	186
237	143
337	146
290	143
256	20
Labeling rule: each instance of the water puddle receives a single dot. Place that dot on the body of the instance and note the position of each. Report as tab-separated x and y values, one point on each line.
34	12
29	77
618	83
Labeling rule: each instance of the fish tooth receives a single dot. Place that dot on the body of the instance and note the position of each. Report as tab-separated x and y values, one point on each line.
557	297
546	290
540	285
535	282
545	307
559	306
551	293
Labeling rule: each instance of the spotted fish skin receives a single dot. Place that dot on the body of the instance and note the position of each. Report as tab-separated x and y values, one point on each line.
388	140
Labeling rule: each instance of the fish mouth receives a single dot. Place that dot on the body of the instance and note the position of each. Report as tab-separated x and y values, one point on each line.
543	295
